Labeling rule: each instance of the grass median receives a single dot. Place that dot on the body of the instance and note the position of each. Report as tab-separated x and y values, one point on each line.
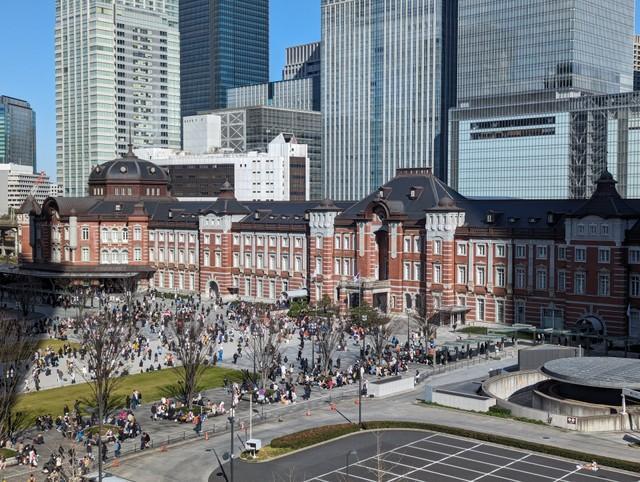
8	453
152	385
310	437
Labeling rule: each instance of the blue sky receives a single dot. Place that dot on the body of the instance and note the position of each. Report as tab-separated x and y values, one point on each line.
26	53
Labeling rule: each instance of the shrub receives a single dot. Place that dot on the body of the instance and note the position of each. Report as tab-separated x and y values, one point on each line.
499	412
313	436
8	453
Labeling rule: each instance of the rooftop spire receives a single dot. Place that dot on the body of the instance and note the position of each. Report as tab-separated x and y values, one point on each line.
130	145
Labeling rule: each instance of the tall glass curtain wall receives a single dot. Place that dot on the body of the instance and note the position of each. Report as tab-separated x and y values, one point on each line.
513	47
224	44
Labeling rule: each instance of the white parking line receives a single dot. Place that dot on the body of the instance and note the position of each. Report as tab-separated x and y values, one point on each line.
438	461
341	469
504	466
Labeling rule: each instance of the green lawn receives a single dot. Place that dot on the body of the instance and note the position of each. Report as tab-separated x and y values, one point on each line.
152	385
55	344
473	330
7	453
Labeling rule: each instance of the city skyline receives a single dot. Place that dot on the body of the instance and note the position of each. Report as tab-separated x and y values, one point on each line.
33	80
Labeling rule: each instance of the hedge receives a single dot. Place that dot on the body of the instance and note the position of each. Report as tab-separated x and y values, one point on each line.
314	436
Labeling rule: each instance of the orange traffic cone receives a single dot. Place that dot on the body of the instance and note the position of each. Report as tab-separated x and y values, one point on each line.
206	435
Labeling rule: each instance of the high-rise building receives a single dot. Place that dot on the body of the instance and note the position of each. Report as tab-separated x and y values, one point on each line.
223	44
544	103
302	61
298	94
510	50
382	78
117	75
253	128
636	62
17	132
554	149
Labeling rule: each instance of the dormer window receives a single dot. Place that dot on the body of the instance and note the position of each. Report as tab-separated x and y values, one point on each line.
490	218
413	193
381	192
118	207
551	218
533	220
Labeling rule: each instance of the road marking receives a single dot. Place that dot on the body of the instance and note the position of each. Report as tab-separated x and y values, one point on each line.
445	458
504	466
568	474
381	453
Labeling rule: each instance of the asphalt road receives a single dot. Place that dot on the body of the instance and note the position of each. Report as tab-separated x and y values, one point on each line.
418	456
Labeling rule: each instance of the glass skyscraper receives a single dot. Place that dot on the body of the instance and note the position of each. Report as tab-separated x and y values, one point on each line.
117	68
17	132
223	44
544	102
508	48
382	78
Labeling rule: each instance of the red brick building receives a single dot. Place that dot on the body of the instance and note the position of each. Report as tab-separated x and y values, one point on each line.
413	244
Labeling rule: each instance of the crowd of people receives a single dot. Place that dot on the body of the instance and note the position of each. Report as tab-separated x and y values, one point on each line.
154	347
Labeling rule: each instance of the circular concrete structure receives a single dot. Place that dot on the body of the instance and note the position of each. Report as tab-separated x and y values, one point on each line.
598	372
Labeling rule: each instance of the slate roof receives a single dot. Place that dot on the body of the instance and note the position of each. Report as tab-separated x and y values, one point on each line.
430	191
128	169
407	197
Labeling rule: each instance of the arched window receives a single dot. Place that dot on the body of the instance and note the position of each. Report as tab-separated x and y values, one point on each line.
105	235
104	257
125	234
114	256
124	256
114	235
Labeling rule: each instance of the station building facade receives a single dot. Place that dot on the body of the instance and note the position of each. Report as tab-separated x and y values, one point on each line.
413	245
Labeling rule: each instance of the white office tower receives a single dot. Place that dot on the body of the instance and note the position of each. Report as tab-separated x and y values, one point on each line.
202	133
117	70
280	174
17	182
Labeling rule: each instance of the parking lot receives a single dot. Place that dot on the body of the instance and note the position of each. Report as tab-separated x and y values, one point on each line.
436	457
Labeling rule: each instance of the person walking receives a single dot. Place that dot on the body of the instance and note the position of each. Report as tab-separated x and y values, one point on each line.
197	422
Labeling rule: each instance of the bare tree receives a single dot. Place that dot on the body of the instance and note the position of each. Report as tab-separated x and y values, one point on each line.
329	334
427	326
26	297
193	341
104	337
377	327
264	347
16	345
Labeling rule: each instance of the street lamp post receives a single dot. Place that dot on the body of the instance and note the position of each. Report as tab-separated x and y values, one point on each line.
231	421
360	375
349	453
408	330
